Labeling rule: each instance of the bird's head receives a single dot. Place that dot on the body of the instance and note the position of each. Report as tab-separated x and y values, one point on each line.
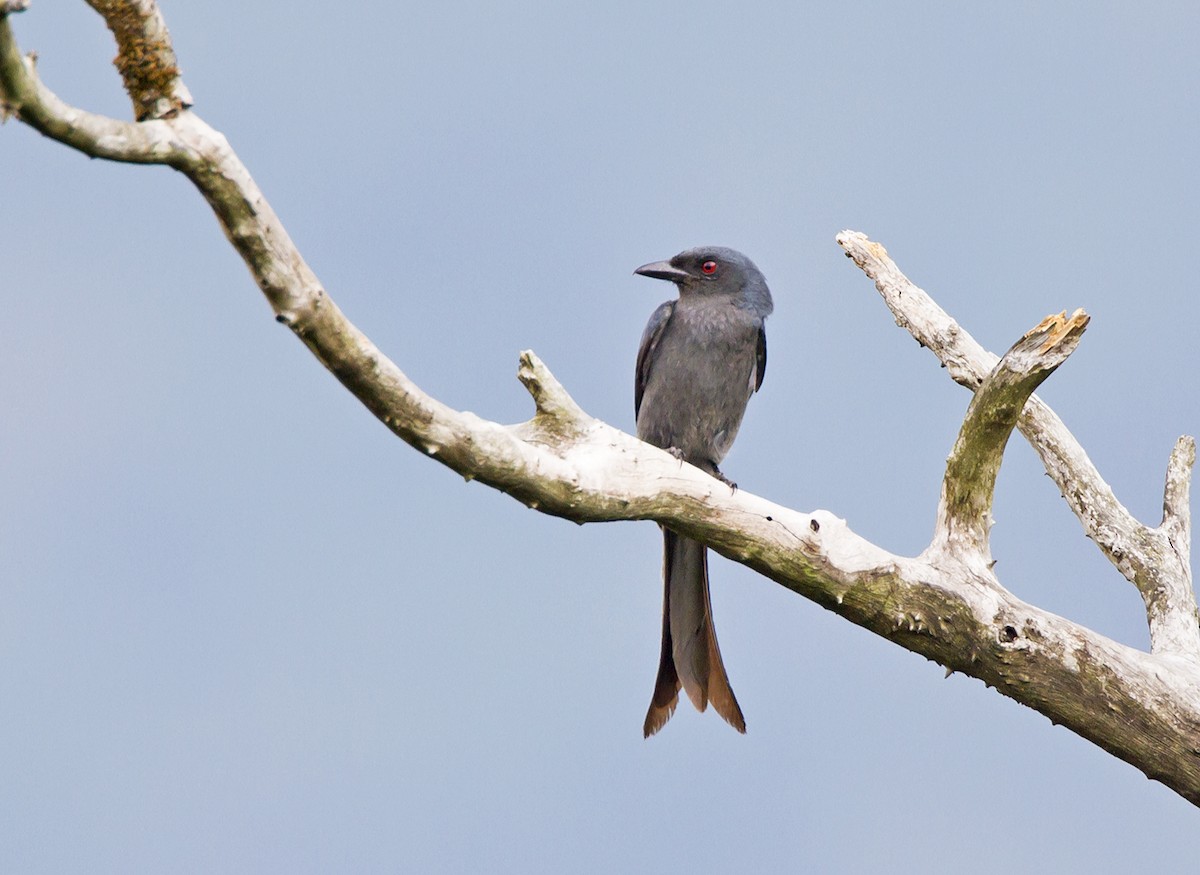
715	271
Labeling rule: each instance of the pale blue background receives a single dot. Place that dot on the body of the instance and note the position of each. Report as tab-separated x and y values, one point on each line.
244	629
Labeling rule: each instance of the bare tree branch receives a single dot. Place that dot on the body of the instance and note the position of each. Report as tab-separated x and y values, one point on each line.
965	511
145	57
1177	515
1173	596
1144	555
945	604
22	94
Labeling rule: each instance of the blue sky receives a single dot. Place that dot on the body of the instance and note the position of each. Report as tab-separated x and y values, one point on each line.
243	628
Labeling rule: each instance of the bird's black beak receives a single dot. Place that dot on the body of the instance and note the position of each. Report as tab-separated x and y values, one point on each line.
663	270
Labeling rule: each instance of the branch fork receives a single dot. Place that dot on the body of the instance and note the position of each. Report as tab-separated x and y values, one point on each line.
1156	560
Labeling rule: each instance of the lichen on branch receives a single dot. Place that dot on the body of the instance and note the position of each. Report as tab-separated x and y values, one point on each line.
145	57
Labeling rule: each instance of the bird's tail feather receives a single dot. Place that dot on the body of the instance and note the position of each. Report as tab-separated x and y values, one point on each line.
666	685
690	655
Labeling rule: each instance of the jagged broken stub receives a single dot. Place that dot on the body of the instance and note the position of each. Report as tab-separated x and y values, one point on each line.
534	375
549	395
1058	327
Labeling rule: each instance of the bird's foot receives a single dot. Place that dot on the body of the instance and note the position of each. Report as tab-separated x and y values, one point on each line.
717	473
708	466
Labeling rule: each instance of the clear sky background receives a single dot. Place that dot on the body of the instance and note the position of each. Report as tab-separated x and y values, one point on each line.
245	629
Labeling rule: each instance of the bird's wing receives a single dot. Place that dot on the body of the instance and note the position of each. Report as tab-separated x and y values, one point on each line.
760	361
655	329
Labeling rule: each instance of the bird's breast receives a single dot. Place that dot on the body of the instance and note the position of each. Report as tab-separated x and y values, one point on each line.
700	381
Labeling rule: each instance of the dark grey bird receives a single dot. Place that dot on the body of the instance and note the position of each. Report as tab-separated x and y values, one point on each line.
702	356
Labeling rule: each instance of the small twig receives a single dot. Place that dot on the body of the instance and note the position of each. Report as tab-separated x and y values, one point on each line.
551	398
7	7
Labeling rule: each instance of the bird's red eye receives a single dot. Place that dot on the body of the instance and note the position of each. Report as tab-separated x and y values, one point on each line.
709	267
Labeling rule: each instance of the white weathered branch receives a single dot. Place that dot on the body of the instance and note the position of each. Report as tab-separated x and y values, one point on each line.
1145	556
1177	515
1173	596
944	604
22	94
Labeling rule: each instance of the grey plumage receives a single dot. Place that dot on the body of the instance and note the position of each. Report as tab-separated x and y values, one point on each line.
701	358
